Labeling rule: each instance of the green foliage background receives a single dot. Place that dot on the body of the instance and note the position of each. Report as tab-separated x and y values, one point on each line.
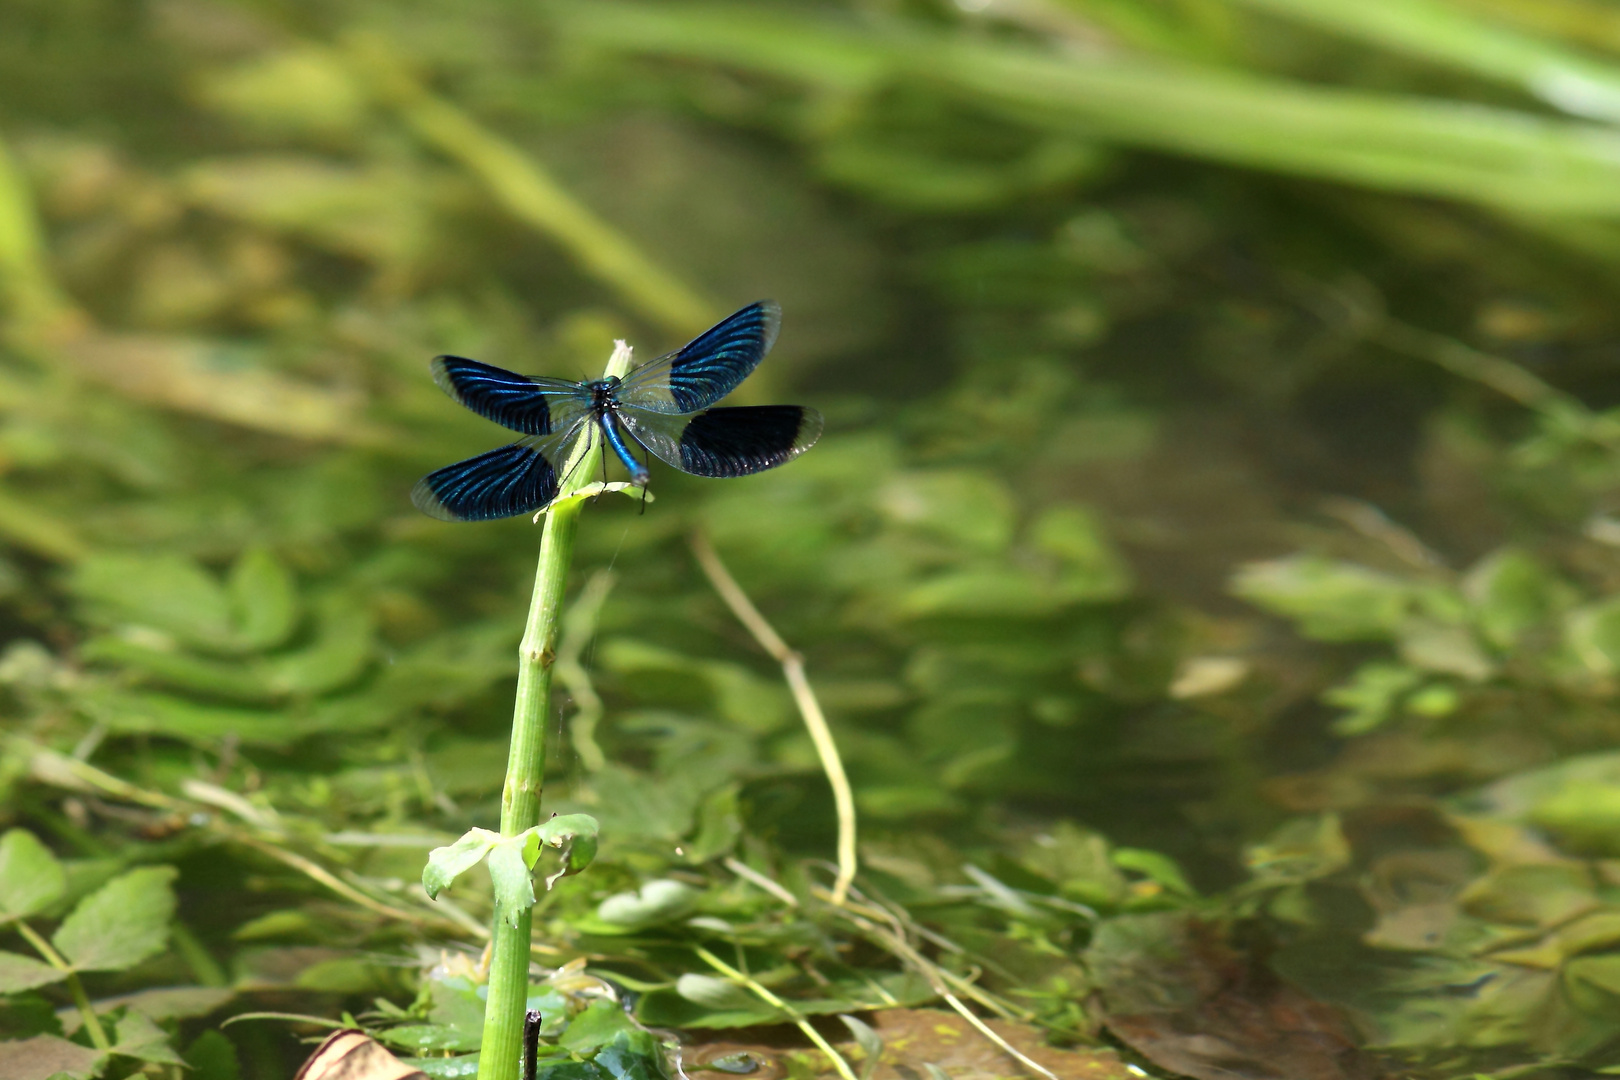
1217	511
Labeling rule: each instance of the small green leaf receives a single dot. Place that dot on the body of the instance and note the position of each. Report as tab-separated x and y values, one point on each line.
575	835
514	888
621	1062
25	973
600	1023
1092	569
1371	696
719	826
1156	867
212	1056
1511	592
139	1038
122	923
30	877
445	864
558	831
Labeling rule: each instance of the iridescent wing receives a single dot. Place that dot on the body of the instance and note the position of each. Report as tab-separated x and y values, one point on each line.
532	405
708	367
518	478
726	442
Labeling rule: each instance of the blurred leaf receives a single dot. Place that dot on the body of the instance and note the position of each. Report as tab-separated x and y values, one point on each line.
45	1057
655	902
139	1038
1333	601
212	1056
727	1004
170	593
599	1025
1372	696
373	213
1093	570
1430	645
967	508
161	714
263	600
19	973
120	924
1512	593
1593	634
302	89
219	380
1300	850
1078	862
30	877
719	826
1156	867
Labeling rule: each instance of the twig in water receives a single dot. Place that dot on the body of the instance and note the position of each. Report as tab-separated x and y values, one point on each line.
809	708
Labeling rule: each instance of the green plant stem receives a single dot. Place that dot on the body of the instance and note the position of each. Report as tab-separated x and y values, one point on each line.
92	1024
502	1048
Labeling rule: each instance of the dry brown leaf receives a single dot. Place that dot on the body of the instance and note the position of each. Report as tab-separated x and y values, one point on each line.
352	1055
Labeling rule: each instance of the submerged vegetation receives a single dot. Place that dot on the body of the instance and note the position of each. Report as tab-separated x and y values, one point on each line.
1210	573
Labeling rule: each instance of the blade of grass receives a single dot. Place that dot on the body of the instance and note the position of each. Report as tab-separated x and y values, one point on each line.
1497	157
842	1066
1441	34
803	696
530	194
1588	22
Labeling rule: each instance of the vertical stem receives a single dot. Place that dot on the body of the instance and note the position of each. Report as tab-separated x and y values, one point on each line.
502	1050
98	1035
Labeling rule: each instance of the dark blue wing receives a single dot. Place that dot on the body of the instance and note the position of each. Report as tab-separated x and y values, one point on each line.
523	403
726	442
515	479
707	368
